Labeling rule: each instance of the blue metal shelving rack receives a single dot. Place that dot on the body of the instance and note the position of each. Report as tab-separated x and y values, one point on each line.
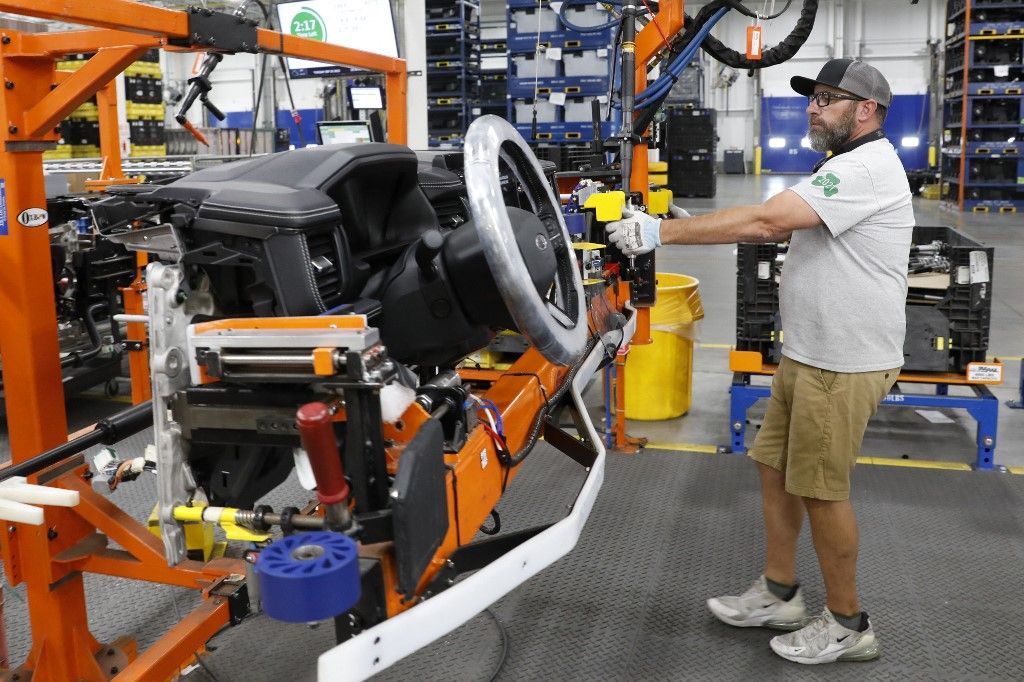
983	113
581	73
453	61
492	80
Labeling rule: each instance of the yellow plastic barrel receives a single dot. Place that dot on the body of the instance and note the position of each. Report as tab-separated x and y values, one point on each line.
659	375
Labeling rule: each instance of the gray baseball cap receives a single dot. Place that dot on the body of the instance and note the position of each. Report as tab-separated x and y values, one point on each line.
850	75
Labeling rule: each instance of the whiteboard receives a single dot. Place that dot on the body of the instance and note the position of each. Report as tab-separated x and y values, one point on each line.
360	24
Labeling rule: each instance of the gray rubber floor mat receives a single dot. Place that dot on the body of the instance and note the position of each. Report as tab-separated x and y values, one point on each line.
940	572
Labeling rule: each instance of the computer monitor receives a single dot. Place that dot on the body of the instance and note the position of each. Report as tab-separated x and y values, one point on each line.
366	25
366	97
343	132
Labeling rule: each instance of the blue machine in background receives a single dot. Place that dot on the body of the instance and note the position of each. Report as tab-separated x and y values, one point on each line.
784	126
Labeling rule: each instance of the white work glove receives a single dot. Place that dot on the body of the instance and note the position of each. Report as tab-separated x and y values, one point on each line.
636	234
678	211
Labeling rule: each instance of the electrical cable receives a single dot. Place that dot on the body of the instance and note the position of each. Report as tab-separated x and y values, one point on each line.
296	118
533	435
504	644
536	75
781	52
664	83
661	33
256	108
202	664
494	530
739	7
585	29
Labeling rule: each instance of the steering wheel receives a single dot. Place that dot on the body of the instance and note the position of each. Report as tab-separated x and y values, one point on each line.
556	325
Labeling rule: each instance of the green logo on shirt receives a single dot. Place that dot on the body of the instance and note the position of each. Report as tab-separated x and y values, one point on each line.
827	182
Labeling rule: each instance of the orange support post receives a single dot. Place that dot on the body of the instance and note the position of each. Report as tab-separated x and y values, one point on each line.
649	41
136	336
110	132
28	336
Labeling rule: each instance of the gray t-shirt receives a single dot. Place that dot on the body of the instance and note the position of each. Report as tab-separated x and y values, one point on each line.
844	286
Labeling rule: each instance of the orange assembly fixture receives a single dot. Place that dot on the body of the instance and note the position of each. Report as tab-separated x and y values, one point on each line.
649	41
34	100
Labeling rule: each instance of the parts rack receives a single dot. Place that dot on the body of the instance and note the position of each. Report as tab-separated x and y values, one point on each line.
983	113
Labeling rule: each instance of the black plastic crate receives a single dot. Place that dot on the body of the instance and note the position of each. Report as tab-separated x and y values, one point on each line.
690	129
691	174
143	90
146	133
704	186
566	157
83	133
757	299
946	328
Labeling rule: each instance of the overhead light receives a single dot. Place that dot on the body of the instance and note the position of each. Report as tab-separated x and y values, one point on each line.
805	143
911	141
777	142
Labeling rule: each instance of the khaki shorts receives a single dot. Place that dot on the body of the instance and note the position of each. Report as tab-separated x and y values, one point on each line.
815	424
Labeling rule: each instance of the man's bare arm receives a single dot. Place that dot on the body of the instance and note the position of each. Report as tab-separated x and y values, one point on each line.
772	221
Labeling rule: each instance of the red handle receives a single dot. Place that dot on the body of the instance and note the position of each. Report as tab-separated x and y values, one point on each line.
317	434
196	133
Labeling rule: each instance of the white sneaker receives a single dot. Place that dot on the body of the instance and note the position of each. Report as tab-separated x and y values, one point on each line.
758	607
824	640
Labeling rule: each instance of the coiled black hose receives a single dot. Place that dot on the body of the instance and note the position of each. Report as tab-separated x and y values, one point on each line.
784	51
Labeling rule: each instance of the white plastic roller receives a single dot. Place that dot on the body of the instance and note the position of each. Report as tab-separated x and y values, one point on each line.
18	500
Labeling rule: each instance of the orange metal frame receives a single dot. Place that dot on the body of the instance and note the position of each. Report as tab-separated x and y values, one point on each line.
649	41
51	558
751	362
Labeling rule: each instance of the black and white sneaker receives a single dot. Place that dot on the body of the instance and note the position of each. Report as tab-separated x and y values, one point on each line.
758	607
823	640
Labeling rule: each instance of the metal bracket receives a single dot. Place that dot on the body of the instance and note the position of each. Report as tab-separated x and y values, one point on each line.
475	556
162	240
233	588
577	450
219	31
414	73
28	146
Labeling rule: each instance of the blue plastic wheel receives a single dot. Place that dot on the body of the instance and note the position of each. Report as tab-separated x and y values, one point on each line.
309	576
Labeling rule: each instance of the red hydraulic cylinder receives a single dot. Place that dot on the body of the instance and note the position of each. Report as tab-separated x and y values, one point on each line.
316	431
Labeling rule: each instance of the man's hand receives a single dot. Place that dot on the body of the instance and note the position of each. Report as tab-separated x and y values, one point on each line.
678	211
636	234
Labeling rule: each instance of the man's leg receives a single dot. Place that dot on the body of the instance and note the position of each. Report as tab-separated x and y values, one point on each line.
774	600
834	411
834	531
783	516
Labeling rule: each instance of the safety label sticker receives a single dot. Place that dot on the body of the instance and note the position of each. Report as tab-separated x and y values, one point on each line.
984	373
3	207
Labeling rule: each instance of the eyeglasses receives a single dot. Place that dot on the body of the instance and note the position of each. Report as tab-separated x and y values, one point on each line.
824	98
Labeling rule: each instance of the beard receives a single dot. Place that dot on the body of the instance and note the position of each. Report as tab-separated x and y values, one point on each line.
831	137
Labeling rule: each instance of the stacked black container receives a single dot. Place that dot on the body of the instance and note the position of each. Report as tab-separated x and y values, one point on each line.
453	63
689	145
144	108
947	328
982	163
492	81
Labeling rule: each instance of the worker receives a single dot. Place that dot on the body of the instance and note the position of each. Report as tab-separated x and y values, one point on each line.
842	298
